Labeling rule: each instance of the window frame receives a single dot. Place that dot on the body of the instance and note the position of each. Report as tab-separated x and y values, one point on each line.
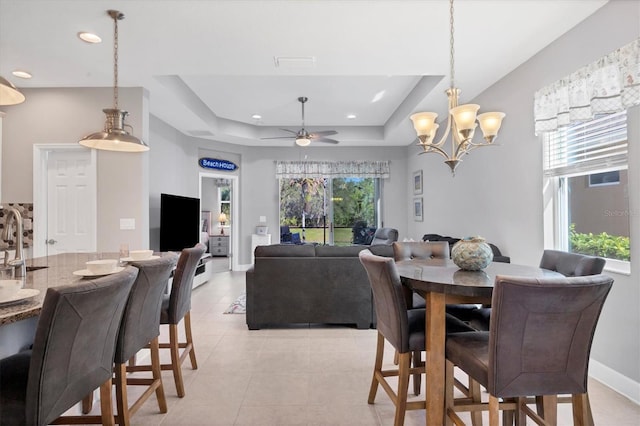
557	183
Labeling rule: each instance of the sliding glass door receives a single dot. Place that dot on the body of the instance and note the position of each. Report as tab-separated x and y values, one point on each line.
336	211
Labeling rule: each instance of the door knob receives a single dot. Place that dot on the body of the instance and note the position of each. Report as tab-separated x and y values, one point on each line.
51	241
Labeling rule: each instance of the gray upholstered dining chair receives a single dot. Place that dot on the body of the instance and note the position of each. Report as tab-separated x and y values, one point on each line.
176	308
568	264
384	236
72	352
403	328
538	344
139	329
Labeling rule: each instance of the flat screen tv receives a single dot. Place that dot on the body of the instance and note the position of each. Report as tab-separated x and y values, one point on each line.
179	222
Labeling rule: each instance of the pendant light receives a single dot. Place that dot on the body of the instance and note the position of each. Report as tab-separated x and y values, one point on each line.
9	95
114	137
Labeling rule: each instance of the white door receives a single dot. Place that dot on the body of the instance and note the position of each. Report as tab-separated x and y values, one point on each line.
71	215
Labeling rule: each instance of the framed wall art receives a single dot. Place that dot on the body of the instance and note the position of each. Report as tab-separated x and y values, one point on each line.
417	182
417	209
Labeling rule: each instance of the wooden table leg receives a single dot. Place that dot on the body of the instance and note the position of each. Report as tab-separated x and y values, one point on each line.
435	359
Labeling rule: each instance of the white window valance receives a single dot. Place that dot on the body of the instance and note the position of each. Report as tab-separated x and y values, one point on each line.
609	85
332	169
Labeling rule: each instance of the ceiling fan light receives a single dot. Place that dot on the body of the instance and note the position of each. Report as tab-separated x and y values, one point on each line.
9	95
303	141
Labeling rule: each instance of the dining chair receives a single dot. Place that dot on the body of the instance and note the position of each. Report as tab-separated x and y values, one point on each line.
568	264
403	328
176	308
72	352
417	251
139	329
538	344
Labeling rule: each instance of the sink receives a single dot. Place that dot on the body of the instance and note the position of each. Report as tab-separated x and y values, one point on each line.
35	268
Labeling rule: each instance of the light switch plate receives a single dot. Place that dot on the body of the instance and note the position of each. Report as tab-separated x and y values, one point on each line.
127	223
263	219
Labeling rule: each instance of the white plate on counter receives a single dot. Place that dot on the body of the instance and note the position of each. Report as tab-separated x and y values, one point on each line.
88	273
131	259
22	295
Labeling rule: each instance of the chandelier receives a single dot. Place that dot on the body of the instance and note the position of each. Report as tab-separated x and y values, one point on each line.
114	137
461	121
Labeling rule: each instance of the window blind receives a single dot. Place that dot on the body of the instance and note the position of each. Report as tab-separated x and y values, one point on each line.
593	145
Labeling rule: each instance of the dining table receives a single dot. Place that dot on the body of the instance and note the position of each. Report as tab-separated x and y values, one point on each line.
441	282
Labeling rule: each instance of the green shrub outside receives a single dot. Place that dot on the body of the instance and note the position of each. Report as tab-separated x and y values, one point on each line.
603	244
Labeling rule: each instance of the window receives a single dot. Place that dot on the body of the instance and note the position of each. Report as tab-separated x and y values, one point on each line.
587	166
339	211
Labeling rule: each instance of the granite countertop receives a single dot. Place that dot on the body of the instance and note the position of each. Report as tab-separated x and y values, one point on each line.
59	271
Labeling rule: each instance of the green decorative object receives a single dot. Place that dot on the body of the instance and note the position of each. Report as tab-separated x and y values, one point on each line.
472	254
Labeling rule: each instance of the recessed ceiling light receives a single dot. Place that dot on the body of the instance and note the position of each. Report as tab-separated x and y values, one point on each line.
256	116
21	74
351	116
89	37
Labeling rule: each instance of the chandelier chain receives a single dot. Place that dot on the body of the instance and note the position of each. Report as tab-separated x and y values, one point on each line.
451	52
115	63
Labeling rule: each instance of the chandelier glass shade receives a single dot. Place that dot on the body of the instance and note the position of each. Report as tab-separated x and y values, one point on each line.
114	137
461	121
9	95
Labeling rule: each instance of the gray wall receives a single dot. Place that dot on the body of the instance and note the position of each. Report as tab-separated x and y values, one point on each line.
64	116
258	187
497	191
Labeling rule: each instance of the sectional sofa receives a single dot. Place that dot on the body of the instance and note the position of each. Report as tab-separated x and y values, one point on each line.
291	284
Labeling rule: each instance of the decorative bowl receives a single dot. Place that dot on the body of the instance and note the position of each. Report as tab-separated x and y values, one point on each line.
9	288
140	254
103	266
471	254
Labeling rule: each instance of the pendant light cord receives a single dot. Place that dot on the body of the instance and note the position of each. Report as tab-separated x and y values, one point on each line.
115	62
451	51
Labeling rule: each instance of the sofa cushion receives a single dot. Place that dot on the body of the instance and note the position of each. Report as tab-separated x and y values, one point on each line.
285	250
338	251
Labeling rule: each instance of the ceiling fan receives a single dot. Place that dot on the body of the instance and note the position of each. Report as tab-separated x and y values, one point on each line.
303	137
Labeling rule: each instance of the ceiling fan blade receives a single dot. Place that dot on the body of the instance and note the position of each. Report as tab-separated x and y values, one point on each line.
290	131
327	140
323	133
280	137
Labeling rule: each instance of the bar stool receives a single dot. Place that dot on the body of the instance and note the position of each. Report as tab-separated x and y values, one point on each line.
401	327
72	352
176	307
140	328
539	344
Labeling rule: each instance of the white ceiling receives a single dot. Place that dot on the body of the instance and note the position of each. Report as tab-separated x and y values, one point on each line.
210	65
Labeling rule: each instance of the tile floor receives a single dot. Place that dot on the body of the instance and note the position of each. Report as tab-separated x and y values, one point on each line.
296	376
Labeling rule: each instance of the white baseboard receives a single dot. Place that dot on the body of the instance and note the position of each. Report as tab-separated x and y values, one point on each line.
616	381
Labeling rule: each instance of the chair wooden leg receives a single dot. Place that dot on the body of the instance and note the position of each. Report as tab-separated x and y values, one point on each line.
121	394
494	413
547	408
191	348
476	397
157	374
582	415
417	362
87	403
448	391
520	416
175	359
376	368
106	405
404	366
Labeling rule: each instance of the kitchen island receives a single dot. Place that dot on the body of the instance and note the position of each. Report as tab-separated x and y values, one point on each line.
18	320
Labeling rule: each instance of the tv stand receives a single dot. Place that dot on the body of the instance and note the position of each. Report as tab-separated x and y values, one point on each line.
203	270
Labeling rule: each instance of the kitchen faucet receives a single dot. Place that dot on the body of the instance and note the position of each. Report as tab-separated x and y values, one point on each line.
18	263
